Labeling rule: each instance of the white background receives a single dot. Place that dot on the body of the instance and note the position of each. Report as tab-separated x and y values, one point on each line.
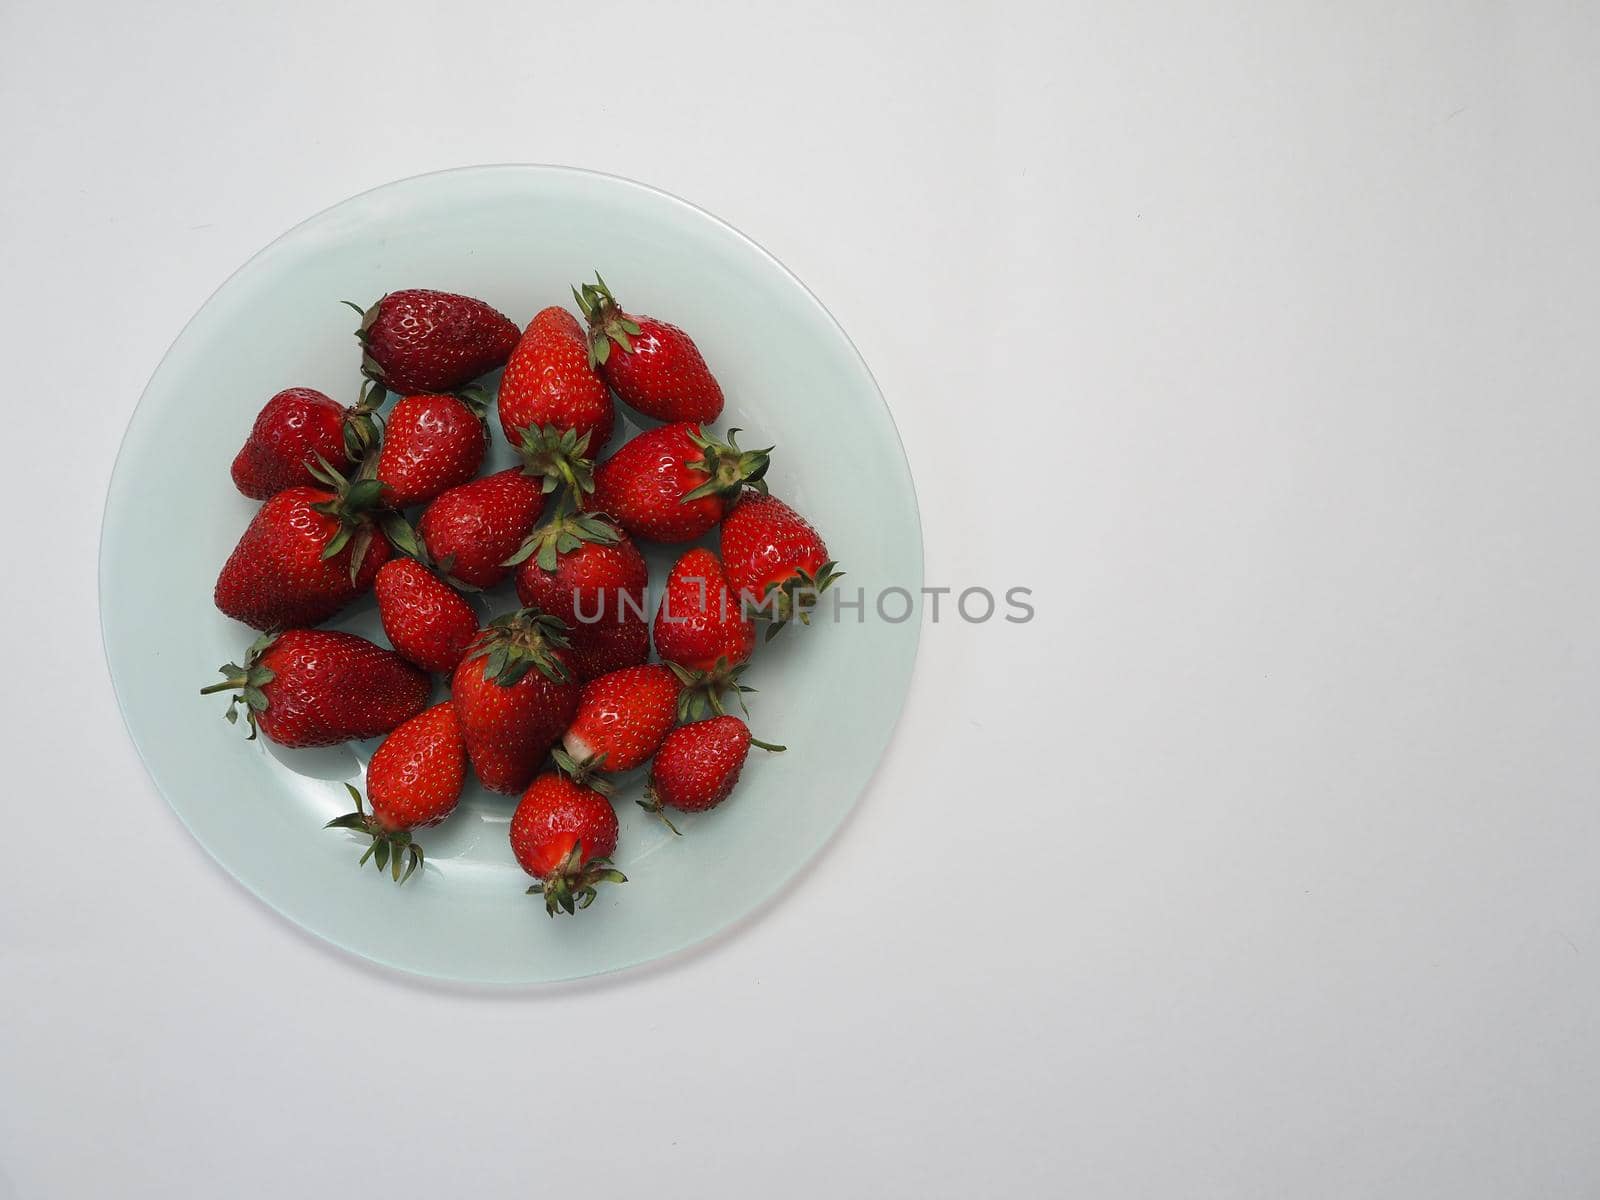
1266	862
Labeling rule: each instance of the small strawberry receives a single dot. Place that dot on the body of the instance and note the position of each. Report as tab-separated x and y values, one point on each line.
564	834
698	766
425	619
515	693
414	780
775	559
622	718
702	631
430	444
315	687
654	366
423	341
294	428
673	483
549	383
472	529
307	553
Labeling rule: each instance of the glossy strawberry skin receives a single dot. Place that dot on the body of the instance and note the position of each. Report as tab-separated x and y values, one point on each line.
420	340
664	376
766	543
276	577
700	621
293	428
599	591
430	444
623	716
549	382
471	530
600	649
643	485
553	816
509	730
415	778
331	687
699	764
424	618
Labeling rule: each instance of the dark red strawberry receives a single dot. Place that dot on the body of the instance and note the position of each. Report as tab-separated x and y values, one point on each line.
430	444
425	619
549	384
515	693
702	630
292	429
622	718
674	483
600	649
564	834
414	780
423	341
307	553
315	687
698	766
471	530
775	559
653	366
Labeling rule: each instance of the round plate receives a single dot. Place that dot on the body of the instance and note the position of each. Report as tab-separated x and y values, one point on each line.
516	236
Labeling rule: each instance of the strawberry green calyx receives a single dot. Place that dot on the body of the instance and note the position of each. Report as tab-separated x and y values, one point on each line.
702	692
571	886
793	598
361	434
353	505
585	773
522	641
731	469
388	847
559	455
564	533
607	322
247	681
369	365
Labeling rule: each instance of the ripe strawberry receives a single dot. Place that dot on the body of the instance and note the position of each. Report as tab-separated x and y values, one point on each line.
775	559
423	341
430	444
315	687
654	366
564	834
698	765
600	649
290	432
549	382
702	631
622	718
472	529
414	780
425	619
515	693
307	553
673	483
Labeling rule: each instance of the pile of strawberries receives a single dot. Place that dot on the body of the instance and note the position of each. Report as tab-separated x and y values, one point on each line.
550	701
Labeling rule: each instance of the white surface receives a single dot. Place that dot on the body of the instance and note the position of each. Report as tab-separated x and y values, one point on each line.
1264	863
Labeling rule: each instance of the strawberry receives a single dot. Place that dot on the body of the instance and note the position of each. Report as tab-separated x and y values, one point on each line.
425	619
622	718
472	529
430	444
414	780
315	687
702	631
564	834
775	559
549	383
294	428
673	483
653	366
307	553
600	649
698	765
515	693
424	341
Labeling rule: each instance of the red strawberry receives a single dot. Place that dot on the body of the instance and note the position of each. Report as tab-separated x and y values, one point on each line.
308	552
654	366
549	383
775	559
430	444
703	631
515	693
564	834
471	530
600	649
292	429
672	484
315	687
622	718
414	780
423	341
698	765
425	619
